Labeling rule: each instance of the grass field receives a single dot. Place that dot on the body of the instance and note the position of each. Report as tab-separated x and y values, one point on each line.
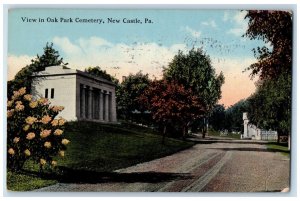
97	149
229	135
283	148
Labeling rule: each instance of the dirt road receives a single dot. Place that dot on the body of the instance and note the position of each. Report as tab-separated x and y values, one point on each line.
209	166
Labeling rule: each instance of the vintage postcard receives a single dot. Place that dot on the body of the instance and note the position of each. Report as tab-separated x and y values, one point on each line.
149	100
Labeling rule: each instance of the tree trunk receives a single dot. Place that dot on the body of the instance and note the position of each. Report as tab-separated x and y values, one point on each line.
204	128
203	132
207	128
184	131
289	142
164	134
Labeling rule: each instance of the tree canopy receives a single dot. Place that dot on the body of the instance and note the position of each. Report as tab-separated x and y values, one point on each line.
217	117
97	71
234	115
270	105
129	91
194	71
275	29
172	103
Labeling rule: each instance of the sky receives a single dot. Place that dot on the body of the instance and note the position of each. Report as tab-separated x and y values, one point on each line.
143	40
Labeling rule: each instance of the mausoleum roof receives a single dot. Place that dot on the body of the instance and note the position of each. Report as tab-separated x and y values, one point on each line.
63	70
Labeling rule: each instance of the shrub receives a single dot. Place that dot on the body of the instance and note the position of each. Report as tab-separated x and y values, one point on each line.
33	131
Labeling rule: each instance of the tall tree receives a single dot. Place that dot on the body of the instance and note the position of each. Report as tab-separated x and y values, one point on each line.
50	57
128	92
194	71
172	103
274	67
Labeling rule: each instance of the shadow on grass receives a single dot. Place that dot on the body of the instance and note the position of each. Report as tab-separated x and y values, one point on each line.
284	144
252	149
215	140
67	175
212	140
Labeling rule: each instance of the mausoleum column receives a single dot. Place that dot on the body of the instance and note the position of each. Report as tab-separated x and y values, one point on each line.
90	103
83	101
106	117
246	121
113	107
101	105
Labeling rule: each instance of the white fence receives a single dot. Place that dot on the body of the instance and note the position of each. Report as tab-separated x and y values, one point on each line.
268	135
257	134
254	133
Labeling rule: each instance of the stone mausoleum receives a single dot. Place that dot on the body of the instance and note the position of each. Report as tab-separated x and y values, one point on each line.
84	96
255	133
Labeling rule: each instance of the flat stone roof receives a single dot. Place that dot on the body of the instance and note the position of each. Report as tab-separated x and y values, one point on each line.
62	70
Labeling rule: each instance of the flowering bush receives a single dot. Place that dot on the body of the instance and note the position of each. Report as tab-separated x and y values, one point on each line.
33	132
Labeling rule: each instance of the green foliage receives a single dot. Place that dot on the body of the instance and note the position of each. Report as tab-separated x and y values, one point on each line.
20	181
234	115
230	135
128	93
194	71
96	71
32	131
282	148
50	57
274	100
110	147
217	117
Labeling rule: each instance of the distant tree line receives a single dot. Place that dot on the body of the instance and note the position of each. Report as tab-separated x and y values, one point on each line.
230	118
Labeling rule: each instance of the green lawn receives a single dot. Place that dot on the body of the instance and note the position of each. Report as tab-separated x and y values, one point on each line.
229	135
97	149
272	146
26	182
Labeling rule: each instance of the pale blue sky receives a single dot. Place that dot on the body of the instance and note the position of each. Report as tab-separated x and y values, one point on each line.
127	48
169	27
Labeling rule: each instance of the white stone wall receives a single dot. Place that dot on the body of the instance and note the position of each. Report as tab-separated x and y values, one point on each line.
254	132
64	92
